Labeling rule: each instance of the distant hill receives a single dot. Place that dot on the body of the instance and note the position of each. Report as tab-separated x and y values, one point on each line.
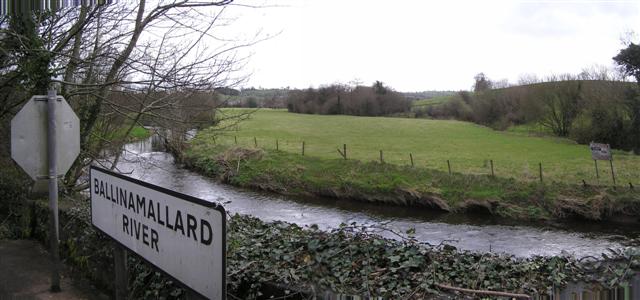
583	110
253	97
427	94
227	91
277	97
422	103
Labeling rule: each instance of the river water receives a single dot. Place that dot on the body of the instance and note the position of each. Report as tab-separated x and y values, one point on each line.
145	160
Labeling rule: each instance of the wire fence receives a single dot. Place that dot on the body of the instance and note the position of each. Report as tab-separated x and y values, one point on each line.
581	171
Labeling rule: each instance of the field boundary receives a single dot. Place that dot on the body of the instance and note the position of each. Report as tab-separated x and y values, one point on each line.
603	177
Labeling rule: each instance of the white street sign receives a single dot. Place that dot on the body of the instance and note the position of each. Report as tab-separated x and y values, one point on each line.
181	235
600	151
29	137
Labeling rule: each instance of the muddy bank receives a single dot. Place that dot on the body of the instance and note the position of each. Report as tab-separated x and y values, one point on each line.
291	174
468	231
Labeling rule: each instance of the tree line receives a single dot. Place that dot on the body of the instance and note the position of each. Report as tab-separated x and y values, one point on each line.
374	100
603	111
590	106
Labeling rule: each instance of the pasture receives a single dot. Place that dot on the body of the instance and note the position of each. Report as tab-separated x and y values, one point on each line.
431	101
468	147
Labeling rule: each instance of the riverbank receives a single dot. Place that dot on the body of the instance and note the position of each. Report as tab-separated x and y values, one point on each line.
282	259
277	258
293	174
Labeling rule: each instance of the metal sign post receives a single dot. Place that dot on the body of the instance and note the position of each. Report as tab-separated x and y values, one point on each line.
120	266
45	140
52	155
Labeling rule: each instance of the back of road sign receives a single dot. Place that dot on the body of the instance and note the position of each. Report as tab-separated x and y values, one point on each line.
29	137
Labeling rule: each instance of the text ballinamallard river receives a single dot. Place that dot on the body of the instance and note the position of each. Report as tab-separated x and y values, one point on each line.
162	214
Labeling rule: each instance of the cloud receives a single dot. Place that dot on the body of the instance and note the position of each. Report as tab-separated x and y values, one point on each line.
566	18
417	45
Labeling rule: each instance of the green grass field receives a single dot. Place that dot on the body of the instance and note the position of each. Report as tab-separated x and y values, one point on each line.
431	101
467	146
137	133
531	129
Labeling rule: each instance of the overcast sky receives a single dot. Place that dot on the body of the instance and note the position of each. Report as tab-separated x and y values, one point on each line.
430	45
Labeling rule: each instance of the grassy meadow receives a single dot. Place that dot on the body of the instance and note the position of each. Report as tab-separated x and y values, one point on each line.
137	133
468	147
431	101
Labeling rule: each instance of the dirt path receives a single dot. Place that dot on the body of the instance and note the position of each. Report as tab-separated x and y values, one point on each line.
25	274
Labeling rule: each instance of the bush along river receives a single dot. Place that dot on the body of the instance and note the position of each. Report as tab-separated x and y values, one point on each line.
568	247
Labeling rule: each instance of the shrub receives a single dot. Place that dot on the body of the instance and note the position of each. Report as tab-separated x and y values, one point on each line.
377	100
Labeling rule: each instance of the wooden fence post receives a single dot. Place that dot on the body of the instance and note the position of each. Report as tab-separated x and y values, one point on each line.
302	148
449	166
235	138
540	169
597	173
344	150
277	147
255	141
411	157
343	153
492	173
613	174
381	157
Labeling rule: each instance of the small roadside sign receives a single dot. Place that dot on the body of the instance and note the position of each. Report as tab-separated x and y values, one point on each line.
29	137
45	141
600	151
183	236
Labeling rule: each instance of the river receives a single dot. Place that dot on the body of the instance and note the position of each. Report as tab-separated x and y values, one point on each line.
145	160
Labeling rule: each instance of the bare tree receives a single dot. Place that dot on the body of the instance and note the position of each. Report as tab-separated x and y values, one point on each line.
528	78
124	65
482	83
561	106
501	84
600	72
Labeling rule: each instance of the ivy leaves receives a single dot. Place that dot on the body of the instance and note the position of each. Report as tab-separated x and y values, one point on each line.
349	260
352	260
